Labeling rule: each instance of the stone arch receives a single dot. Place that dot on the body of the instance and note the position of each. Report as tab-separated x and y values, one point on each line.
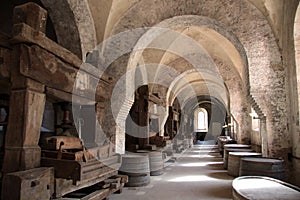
74	25
255	34
296	137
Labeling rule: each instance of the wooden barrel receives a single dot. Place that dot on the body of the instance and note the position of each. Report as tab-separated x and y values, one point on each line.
234	161
137	169
262	167
156	163
258	187
222	140
227	150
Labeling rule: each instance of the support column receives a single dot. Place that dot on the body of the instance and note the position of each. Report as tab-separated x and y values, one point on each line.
27	101
25	119
264	137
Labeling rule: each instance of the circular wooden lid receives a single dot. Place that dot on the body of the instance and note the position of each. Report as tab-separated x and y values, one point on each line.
263	160
259	187
237	146
244	154
237	150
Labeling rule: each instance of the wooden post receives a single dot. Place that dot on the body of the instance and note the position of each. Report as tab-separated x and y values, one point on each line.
31	14
25	118
27	102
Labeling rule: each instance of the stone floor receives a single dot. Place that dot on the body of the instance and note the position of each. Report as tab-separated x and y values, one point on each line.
197	174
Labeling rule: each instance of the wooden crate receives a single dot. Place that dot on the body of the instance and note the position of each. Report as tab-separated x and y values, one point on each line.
79	171
34	184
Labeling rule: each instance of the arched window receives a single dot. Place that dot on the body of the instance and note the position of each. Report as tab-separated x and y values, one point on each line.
200	120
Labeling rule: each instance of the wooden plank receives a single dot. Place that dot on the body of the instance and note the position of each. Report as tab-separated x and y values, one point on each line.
96	173
62	143
97	195
58	95
76	156
124	178
79	171
63	186
24	33
67	169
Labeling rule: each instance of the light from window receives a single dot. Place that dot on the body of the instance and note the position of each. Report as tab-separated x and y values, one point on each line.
201	120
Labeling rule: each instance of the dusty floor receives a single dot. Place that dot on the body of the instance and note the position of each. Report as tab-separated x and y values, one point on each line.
197	174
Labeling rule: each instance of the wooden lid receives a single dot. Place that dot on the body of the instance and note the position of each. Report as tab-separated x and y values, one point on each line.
259	187
237	146
244	154
263	160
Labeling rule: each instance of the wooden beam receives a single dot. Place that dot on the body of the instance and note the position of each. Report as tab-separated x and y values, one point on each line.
31	14
58	96
23	33
97	195
63	186
46	68
25	119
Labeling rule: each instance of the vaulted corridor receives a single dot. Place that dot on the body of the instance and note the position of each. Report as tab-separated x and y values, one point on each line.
198	173
96	95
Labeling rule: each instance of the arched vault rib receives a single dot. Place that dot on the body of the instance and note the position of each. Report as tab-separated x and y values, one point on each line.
74	25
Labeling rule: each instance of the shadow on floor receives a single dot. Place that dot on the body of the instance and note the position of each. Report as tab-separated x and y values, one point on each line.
216	166
215	192
220	175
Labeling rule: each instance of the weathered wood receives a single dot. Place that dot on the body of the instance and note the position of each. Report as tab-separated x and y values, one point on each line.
46	68
91	174
34	184
154	99
67	169
31	14
64	186
77	156
21	143
97	195
22	33
98	191
58	95
62	142
79	171
124	178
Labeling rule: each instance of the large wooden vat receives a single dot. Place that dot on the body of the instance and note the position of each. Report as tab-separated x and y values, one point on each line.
137	169
234	161
227	150
156	163
262	167
258	187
